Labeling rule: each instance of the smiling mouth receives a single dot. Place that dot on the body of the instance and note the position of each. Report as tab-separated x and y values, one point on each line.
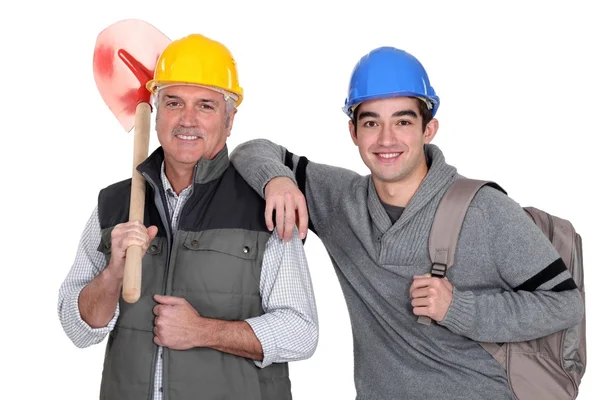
388	156
187	137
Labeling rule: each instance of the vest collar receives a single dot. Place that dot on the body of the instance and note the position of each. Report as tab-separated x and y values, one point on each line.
204	171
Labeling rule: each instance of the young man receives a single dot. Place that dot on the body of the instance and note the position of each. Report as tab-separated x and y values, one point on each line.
508	282
225	305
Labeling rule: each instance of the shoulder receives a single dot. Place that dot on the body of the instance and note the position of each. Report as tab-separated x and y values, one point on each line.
236	183
504	215
115	189
492	200
113	194
332	169
113	202
334	177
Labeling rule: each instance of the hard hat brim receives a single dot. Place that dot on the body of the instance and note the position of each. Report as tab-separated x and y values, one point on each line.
434	99
154	84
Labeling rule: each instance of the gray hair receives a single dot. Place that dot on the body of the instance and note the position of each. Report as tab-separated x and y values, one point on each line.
229	109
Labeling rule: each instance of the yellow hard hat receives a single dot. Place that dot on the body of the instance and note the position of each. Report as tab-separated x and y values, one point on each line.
197	60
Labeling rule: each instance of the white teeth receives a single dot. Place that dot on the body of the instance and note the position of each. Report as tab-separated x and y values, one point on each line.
187	137
388	155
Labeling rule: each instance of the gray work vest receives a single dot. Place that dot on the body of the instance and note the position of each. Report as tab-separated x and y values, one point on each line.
213	260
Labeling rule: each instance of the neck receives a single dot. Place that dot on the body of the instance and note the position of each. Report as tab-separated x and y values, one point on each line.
400	192
179	177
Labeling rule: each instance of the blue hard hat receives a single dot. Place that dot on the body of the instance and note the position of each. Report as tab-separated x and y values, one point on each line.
389	72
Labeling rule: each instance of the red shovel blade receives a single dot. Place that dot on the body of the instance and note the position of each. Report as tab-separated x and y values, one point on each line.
125	56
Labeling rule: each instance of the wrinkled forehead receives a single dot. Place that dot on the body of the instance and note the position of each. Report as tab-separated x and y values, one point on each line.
209	92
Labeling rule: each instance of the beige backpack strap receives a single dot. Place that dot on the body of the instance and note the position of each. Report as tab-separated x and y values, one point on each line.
497	351
447	223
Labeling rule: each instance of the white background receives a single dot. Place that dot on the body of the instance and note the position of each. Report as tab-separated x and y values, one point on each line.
519	87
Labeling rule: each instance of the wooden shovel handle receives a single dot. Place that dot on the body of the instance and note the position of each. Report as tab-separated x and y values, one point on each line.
132	280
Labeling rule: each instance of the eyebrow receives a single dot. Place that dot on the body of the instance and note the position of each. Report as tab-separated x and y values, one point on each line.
401	113
367	114
171	97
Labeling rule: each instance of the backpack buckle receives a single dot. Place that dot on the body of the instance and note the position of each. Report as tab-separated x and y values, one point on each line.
438	270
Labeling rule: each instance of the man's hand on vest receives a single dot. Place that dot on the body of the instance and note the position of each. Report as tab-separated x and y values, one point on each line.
177	324
431	296
125	235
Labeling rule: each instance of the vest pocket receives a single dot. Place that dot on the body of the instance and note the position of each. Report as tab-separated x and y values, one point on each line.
105	246
156	246
105	243
218	271
233	242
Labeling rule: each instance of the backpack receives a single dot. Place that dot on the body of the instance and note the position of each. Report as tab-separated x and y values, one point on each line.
550	367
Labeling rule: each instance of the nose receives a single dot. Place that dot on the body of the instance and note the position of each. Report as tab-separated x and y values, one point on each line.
386	136
188	117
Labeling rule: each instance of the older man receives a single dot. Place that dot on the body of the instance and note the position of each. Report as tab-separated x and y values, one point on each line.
225	304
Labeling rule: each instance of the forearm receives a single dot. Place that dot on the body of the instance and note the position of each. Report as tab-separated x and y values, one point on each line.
98	299
233	337
260	160
87	267
513	316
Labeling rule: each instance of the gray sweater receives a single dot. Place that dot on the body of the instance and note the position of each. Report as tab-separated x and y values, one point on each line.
509	282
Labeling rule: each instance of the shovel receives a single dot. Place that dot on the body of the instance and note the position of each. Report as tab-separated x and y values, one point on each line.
125	56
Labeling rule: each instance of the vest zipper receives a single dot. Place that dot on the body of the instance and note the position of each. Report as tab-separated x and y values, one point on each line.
158	202
171	237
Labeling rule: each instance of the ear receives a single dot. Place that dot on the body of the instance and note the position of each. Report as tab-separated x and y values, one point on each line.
352	130
430	130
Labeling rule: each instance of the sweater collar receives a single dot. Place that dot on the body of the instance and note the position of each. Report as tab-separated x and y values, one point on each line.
439	175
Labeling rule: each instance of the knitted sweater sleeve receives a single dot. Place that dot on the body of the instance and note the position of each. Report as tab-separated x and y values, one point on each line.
260	160
540	296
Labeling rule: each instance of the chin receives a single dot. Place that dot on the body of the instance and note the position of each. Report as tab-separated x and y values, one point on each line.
390	178
188	158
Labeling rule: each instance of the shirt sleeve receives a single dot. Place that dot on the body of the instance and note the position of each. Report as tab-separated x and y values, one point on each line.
89	262
288	330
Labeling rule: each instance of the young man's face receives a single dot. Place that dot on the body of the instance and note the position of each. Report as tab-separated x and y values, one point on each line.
390	138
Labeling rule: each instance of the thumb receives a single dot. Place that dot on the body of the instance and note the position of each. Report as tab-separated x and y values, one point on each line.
152	231
168	300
